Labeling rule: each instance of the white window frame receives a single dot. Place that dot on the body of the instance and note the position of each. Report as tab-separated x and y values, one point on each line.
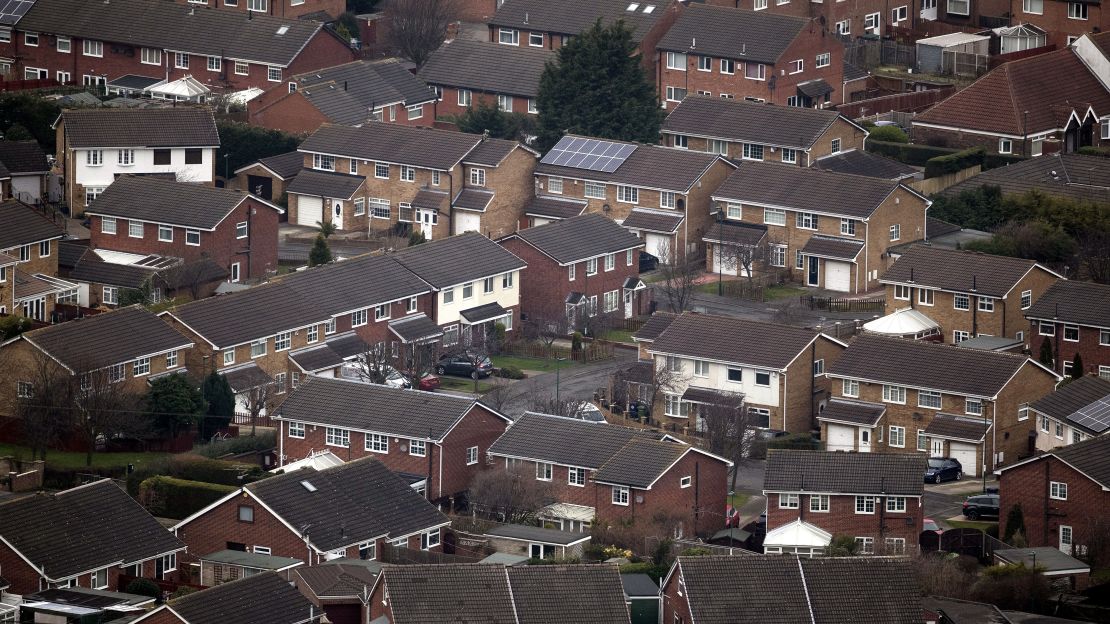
819	503
865	505
334	436
774	216
850	388
897	437
296	430
1058	490
92	47
894	394
620	495
576	477
789	501
376	443
471	455
676	61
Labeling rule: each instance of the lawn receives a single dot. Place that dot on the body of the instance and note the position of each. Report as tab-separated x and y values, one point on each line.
462	384
618	335
770	293
65	460
546	365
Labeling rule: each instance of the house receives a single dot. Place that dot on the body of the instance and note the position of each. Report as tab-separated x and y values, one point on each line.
1063	496
862	20
661	194
648	332
705	361
96	146
564	283
319	10
438	437
738	128
720	589
967	293
860	162
728	52
351	511
350	94
74	42
1063	24
24	165
341	589
118	540
1068	176
813	495
105	279
1072	413
623	475
29	283
270	176
467	73
969	403
1073	317
830	230
591	594
260	598
383	176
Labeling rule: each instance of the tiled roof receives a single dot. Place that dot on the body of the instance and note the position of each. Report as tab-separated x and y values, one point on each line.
554	207
804	189
241	317
835	472
649	166
141	127
749	122
928	365
578	238
23	157
353	284
316	358
832	247
101	340
432	200
860	162
393	143
851	72
246	377
71	252
891	584
94	271
724	32
654	326
491	152
954	427
462	258
1074	176
338	580
286	165
584	594
1091	457
566	441
728	233
347	94
473	199
325	184
111	527
161	201
1047	86
852	412
415	328
1083	303
24	225
487	66
259	599
483	313
734	340
1073	397
133	81
640	462
646	219
957	270
708	396
574	16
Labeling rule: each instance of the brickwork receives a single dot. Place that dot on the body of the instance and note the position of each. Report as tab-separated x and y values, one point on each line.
676	608
512	184
37	263
26	580
801	390
842	519
942	137
850	137
241	181
289	9
1090	348
448	105
1055	21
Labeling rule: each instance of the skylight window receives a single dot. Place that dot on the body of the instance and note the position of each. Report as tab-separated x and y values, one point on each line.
633	7
308	486
649	8
282	30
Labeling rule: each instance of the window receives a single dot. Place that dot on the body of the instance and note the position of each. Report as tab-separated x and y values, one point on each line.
464	97
215	64
376	443
194	157
753	151
676	60
1049	329
94	158
1077	11
543	471
986	305
591	266
825	59
734	211
973	407
234	272
894	545
99	579
897	436
789	155
282	341
675	94
576	477
324	162
819	503
728	66
258	348
778	255
477	176
865	504
759	5
678	140
675	407
834	146
718	147
417	448
1059	427
31	39
360	206
755	71
961	302
243	69
848	227
337	437
169	563
895	232
850	387
1005	146
595	190
628	194
151	56
359	318
141	367
92	48
379	208
296	430
429	540
1103	336
1076	437
6	35
273	74
844	27
1057	490
508	36
165	234
896	504
229	357
1036	7
762	378
505	103
796	66
535	39
44	249
894	394
468	290
735	375
773	216
192	237
925	296
171	359
701	369
610	301
246	512
107	225
181	60
135	229
788	501
620	495
24	253
922	440
1071	333
471	453
666	199
806	220
381	312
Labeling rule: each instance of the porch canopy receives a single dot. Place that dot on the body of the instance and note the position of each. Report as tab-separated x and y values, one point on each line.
484	313
415	328
856	413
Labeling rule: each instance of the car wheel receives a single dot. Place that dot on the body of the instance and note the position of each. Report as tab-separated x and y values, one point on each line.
959	475
441	370
972	514
936	479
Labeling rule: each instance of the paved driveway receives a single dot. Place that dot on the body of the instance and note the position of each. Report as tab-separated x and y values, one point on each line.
945	500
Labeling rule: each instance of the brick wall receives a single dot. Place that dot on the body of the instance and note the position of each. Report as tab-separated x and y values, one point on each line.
1013	435
277	185
1054	20
1088	346
512	183
220	526
676	609
850	137
278	8
448	105
26	580
801	390
842	519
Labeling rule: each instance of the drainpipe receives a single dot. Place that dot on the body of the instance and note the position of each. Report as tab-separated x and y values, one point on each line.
812	382
975	310
450	203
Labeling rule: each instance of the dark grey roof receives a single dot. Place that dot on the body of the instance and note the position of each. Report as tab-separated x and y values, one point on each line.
348	93
729	233
94	271
105	339
853	412
1069	399
1074	176
24	225
958	270
415	328
537	534
71	252
936	227
1082	303
640	462
244	316
141	127
161	201
286	165
458	593
724	32
654	326
574	16
433	200
325	184
735	340
487	66
708	396
579	238
554	207
316	358
954	427
246	376
351	503
1050	558
964	611
649	166
831	472
639	586
483	313
749	122
111	527
864	163
805	189
353	284
851	72
833	247
260	599
490	152
376	408
566	441
585	594
23	157
815	88
473	199
457	259
393	143
928	365
133	81
891	582
1091	457
649	220
250	559
338	579
225	34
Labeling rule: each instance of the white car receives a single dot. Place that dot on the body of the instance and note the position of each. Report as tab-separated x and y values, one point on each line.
589	412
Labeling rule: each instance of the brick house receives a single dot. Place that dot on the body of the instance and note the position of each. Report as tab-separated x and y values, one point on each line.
860	19
350	94
704	360
93	536
860	162
29	283
23	165
1074	318
269	177
874	497
467	73
577	268
146	216
436	437
830	230
97	145
967	293
351	510
623	475
1063	22
75	42
103	282
265	597
333	588
967	404
660	194
1074	412
288	9
1092	183
433	181
736	128
736	53
648	332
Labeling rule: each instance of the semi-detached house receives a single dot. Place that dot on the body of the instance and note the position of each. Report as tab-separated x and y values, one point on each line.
467	74
1073	413
1074	317
29	283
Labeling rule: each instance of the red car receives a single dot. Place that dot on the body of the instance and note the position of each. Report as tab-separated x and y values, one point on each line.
428	382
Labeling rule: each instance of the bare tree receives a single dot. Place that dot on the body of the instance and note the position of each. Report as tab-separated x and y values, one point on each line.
511	495
418	27
475	344
262	398
40	411
547	326
1092	246
502	393
104	407
728	429
376	363
677	285
547	403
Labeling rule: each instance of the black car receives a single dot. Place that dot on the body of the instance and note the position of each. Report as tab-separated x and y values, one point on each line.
943	469
648	262
981	506
463	364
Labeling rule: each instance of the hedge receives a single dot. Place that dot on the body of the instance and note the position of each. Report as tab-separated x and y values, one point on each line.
179	498
994	161
196	468
1090	150
952	163
888	134
916	155
803	441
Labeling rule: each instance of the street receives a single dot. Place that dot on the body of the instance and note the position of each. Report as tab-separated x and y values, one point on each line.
574	382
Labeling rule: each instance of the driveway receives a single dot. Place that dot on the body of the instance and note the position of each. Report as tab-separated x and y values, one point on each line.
574	382
945	500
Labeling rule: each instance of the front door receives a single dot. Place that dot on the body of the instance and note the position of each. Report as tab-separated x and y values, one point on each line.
337	214
427	219
937	448
1065	539
864	440
628	296
813	274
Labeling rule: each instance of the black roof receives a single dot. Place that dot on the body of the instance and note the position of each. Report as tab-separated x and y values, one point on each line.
654	326
458	259
155	200
574	16
105	339
585	594
338	579
20	157
650	220
958	427
1082	303
749	122
325	184
353	284
70	252
579	238
133	81
393	143
1069	399
640	462
415	328
554	207
725	32
487	66
735	233
860	162
1075	176
285	166
259	599
958	270
141	127
92	270
831	472
241	317
537	534
347	94
475	199
1091	457
24	225
733	340
566	441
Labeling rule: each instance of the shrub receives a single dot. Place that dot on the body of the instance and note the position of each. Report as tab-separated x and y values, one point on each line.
1090	150
196	468
510	372
951	163
803	441
576	341
184	590
993	161
144	587
696	552
655	571
909	153
179	498
234	446
890	134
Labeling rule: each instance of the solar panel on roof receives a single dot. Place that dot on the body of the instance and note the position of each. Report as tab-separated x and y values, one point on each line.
1095	416
589	154
12	10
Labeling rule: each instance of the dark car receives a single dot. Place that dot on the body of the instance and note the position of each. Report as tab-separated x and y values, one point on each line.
463	364
943	469
648	262
981	506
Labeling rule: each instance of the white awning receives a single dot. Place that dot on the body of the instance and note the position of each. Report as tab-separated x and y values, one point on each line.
798	533
319	460
187	88
903	322
569	511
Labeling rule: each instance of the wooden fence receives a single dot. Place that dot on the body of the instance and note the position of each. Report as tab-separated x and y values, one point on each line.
930	186
915	101
408	556
833	304
872	53
591	352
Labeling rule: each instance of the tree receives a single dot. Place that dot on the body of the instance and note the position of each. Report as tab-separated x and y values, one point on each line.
1046	353
1015	523
1076	366
512	495
418	27
327	228
727	427
842	546
220	400
260	399
320	252
487	118
598	87
18	132
34	114
174	404
677	285
243	144
1012	587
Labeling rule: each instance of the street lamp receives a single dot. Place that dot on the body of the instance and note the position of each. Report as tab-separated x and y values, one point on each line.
720	254
557	360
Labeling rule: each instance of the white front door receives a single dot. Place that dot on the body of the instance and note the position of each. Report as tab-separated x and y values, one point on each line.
629	295
337	214
937	448
310	210
841	438
1065	539
864	440
427	219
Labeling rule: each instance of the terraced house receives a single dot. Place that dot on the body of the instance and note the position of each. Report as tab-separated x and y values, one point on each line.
467	74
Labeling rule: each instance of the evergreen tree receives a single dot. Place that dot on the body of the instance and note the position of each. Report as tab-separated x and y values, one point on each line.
1076	366
221	403
1015	522
1046	353
598	88
320	252
174	404
485	117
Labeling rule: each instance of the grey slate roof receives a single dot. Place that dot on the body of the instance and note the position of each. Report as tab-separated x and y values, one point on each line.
833	247
490	152
958	270
1052	559
259	599
890	583
433	200
1082	303
286	165
586	594
473	199
654	326
724	32
804	189
245	377
155	200
749	122
483	313
457	593
111	527
574	16
649	166
955	427
1074	176
325	184
735	340
864	163
133	81
640	462
71	252
578	238
729	233
928	365
338	580
354	284
457	259
377	408
1091	457
20	157
537	534
415	328
110	338
645	219
316	358
347	94
831	472
250	559
487	66
24	225
241	317
141	127
393	143
853	412
851	72
1067	400
639	586
93	271
566	441
554	207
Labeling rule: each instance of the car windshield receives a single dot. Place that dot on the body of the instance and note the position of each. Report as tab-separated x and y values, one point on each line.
936	463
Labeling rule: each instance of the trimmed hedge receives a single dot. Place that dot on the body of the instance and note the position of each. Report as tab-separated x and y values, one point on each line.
179	498
888	134
1090	150
195	468
951	163
803	441
510	372
916	155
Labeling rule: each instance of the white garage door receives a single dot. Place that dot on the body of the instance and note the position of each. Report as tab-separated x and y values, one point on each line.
467	221
838	276
656	245
841	438
965	454
310	210
27	188
729	264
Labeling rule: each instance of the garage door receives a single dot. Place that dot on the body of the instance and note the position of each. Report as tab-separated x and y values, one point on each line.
27	188
729	265
841	438
467	221
310	210
965	454
656	245
838	276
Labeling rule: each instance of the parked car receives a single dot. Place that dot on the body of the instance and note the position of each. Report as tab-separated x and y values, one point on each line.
648	262
463	364
589	412
943	469
931	525
981	506
427	383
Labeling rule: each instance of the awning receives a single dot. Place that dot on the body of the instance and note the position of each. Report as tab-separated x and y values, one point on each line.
902	322
29	286
554	208
430	200
187	88
852	412
483	313
317	358
959	428
634	283
661	221
348	345
415	328
246	377
798	533
815	88
741	234
568	511
575	298
706	396
832	248
473	199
